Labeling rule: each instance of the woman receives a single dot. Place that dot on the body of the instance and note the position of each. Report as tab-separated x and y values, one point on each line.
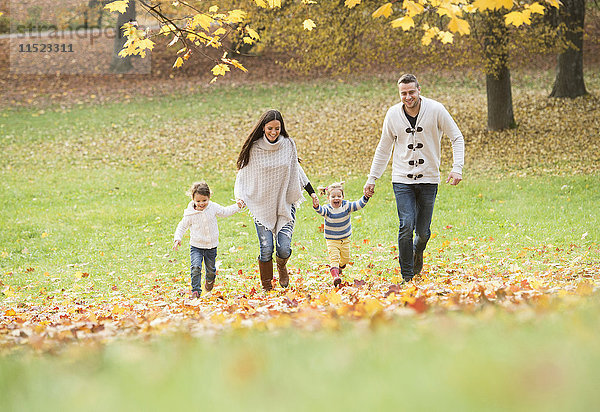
270	182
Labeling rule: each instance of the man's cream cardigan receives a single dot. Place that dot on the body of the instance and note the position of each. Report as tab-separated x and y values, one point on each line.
417	152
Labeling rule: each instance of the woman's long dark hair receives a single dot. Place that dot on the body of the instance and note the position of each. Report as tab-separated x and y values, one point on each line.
257	133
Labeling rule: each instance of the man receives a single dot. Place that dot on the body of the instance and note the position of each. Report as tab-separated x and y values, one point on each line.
413	129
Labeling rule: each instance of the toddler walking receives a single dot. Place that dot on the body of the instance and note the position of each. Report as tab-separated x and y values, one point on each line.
201	217
337	227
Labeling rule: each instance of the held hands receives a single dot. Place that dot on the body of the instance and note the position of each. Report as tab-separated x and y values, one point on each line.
176	244
369	190
454	178
315	200
240	203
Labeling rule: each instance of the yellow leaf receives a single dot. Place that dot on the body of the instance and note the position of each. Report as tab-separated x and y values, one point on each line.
517	18
274	3
247	40
507	4
10	312
220	69
373	306
178	62
553	3
237	64
351	3
446	37
385	11
412	8
485	4
202	20
213	9
44	235
252	33
459	26
536	8
166	29
236	16
261	3
146	44
405	22
120	6
308	24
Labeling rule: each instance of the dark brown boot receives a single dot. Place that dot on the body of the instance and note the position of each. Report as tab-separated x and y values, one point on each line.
284	277
266	274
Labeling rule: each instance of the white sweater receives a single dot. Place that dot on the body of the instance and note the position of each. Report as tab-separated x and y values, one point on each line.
271	182
434	120
204	231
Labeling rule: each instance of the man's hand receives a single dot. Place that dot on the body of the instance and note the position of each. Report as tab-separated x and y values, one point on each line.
176	244
369	189
454	178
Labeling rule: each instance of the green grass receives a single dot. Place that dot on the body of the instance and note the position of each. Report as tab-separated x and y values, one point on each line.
100	189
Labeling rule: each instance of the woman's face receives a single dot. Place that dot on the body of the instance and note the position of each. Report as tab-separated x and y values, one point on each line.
272	130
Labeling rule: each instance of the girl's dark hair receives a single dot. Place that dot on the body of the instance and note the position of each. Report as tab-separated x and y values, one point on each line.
257	133
199	187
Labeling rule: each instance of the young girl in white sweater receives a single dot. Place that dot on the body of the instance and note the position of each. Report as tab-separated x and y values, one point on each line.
200	217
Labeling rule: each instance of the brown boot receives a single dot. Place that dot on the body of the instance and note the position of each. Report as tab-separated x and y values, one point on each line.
284	277
266	274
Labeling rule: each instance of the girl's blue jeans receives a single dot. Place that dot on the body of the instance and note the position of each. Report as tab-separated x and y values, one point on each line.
415	208
282	242
197	255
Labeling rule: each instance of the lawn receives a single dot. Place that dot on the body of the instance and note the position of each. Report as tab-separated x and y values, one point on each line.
95	310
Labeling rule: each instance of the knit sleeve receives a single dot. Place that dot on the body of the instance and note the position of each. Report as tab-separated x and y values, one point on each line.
359	204
320	210
222	211
183	225
450	128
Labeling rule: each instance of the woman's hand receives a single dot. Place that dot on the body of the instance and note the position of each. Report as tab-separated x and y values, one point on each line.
176	244
315	200
240	203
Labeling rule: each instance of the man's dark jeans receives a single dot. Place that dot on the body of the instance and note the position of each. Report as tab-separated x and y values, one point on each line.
415	208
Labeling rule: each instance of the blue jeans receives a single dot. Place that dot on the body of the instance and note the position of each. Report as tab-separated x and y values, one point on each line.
196	256
415	208
283	240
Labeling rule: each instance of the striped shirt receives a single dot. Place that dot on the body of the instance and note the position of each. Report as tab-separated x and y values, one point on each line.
337	221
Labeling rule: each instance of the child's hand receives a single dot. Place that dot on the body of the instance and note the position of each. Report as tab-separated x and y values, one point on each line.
176	244
315	200
240	203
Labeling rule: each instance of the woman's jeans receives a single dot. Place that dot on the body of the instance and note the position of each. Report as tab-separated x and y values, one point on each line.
196	256
283	239
415	209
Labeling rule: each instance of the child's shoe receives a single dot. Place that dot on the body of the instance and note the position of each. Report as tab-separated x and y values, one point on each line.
195	294
335	273
210	283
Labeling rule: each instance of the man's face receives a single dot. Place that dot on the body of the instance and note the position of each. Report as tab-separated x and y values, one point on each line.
409	94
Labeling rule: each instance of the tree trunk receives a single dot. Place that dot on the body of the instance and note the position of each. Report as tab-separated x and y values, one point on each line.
122	64
499	100
497	73
569	80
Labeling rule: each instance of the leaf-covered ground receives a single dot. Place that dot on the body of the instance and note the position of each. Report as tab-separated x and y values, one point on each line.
372	297
336	128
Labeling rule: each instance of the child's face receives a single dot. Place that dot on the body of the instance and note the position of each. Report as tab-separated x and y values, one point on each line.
335	197
200	201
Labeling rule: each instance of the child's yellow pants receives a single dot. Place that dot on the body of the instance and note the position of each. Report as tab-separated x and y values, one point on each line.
339	252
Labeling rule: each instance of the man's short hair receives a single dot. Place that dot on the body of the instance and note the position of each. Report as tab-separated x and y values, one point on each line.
408	78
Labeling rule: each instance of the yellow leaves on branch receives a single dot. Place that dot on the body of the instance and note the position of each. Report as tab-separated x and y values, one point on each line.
268	3
136	43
